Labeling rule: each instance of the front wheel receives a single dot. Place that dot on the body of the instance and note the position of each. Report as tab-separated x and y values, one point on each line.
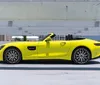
12	56
81	56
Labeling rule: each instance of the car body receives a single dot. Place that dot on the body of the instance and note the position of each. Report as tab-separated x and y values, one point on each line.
79	50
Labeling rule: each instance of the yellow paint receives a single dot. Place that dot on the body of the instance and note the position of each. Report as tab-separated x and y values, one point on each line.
49	49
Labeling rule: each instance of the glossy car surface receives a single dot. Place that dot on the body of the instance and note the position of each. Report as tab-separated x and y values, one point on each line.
78	50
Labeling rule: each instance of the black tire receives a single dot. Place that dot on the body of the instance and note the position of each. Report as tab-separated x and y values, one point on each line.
12	56
81	56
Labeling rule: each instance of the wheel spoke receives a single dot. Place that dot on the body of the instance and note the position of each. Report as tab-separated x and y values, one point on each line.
12	55
81	55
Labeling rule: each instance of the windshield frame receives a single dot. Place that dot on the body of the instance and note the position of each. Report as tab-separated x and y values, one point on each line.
51	35
45	37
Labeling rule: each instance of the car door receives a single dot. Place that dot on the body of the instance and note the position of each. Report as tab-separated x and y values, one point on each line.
42	50
58	49
52	49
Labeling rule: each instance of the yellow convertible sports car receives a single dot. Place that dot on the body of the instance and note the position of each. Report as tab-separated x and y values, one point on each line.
78	50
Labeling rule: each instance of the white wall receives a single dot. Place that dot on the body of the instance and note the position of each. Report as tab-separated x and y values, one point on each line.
44	17
38	27
49	10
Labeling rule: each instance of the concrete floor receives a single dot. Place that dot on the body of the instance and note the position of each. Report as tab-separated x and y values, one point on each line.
54	77
44	73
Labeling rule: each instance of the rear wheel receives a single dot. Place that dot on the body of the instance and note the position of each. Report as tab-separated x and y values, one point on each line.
12	56
81	55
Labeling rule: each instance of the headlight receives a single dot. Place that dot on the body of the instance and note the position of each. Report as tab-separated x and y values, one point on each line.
1	46
97	44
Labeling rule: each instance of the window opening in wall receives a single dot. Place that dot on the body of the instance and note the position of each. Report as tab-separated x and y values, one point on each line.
96	24
10	23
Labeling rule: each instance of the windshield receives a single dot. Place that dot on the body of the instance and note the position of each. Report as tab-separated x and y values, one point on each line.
45	37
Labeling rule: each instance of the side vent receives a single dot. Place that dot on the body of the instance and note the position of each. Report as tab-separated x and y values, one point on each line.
31	47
